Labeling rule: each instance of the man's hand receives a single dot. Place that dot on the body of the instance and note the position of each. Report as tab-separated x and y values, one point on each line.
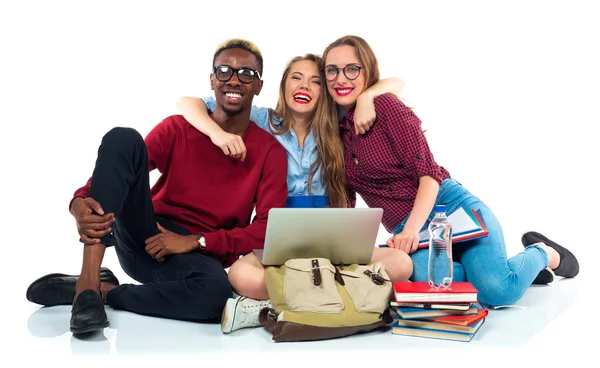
407	241
231	144
364	114
91	227
168	242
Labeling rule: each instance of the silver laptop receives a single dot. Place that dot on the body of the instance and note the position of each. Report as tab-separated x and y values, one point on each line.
343	235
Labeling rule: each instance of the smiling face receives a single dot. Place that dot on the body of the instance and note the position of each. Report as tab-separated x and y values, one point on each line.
343	90
234	96
303	87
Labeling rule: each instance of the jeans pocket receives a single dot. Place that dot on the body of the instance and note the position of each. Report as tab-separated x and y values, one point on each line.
369	287
309	286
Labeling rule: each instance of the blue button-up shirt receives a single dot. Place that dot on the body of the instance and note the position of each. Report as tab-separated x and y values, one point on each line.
299	160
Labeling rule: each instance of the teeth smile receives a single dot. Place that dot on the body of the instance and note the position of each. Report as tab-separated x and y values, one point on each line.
343	91
302	98
234	96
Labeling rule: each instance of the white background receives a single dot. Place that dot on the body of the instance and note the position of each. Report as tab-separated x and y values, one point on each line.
508	91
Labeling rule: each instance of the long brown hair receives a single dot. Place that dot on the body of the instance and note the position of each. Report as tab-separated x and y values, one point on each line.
365	55
325	130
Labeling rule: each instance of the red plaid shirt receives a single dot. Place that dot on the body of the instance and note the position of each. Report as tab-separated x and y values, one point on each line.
384	165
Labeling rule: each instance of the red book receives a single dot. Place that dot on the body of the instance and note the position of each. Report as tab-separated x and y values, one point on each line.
459	320
421	292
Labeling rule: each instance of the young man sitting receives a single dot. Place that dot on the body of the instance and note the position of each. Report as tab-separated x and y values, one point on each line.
177	237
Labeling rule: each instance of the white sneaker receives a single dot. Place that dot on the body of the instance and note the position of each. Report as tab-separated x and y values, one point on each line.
242	312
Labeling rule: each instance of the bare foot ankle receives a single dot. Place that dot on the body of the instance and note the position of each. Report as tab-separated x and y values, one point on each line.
553	256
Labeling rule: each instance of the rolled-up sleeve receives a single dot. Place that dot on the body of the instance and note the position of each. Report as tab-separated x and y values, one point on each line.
408	139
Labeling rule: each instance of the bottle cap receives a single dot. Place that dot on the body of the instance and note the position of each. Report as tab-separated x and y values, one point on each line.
439	208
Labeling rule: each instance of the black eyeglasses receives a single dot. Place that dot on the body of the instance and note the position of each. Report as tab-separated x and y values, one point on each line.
351	71
225	72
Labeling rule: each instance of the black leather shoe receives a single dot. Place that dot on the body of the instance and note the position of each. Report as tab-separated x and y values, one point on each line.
546	276
59	289
88	313
568	266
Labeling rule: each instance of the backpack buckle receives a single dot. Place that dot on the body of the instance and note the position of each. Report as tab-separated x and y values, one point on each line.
316	272
377	278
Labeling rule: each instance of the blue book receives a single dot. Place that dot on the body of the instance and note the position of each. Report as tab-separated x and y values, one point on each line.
437	326
465	226
417	313
441	334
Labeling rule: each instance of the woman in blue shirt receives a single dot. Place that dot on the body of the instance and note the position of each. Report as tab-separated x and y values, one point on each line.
305	123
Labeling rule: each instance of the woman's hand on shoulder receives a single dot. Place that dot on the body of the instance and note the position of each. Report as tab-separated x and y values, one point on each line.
364	114
231	144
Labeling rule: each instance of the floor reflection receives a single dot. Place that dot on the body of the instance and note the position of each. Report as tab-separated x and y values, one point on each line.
131	334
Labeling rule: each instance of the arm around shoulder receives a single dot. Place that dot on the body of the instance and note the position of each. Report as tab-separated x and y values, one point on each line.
195	111
392	85
365	114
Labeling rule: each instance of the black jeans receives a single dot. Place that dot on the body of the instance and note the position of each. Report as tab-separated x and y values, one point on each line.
192	286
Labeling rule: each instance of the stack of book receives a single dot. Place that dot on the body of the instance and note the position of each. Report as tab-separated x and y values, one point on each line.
450	314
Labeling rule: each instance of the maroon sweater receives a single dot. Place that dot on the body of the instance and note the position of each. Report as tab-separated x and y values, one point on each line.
212	194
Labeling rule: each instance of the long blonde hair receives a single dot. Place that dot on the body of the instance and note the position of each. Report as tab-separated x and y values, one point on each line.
325	130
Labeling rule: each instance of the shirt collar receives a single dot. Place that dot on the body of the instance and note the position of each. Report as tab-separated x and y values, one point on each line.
346	120
276	121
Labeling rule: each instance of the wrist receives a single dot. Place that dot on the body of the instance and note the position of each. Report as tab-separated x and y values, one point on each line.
213	130
411	227
200	242
74	204
367	95
210	132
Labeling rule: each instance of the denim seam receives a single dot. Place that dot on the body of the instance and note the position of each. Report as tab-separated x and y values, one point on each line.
522	263
544	258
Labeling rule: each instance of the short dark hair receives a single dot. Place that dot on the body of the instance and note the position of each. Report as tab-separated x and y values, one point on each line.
238	43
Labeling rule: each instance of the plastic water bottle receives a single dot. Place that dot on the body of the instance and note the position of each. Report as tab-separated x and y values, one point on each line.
440	249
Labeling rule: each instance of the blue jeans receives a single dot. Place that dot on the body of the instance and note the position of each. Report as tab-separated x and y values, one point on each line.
483	261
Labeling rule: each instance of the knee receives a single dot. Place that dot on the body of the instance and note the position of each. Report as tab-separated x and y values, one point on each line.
420	266
398	265
495	292
120	137
247	279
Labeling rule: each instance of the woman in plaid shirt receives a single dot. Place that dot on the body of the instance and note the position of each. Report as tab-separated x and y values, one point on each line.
391	167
